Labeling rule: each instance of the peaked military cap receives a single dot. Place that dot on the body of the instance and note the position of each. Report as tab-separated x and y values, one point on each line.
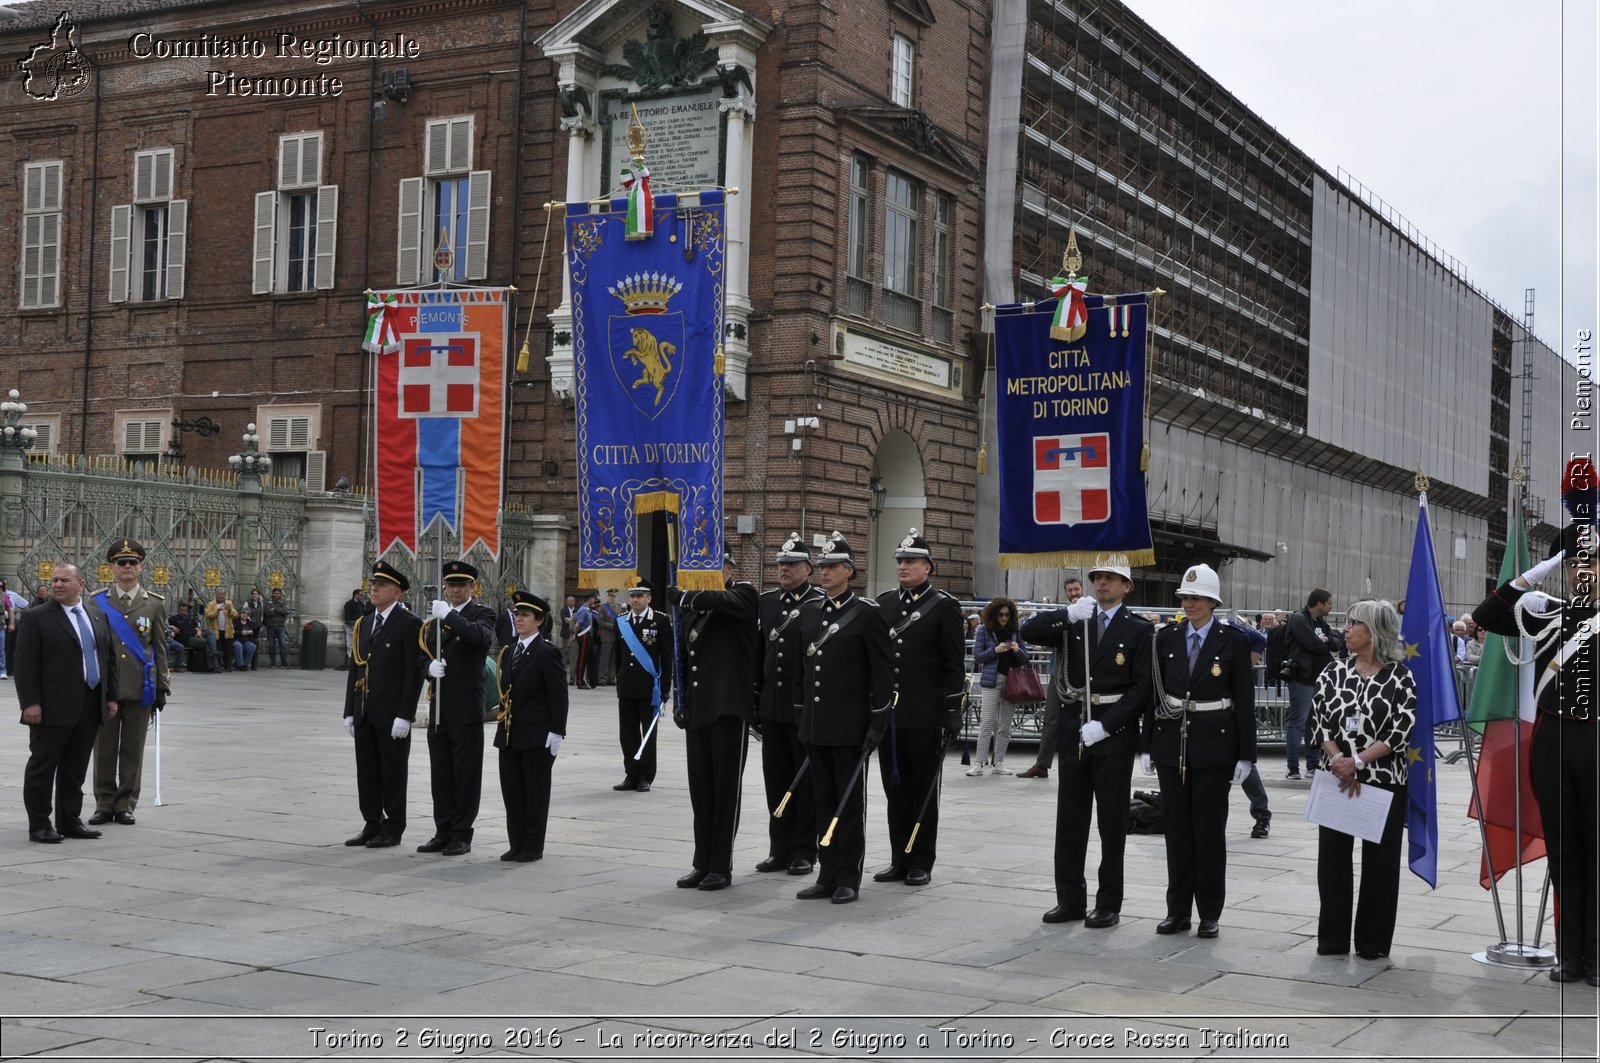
527	601
640	586
384	570
459	570
793	550
125	549
914	547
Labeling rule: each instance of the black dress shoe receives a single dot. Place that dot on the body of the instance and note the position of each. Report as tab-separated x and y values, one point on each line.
1564	972
1172	925
892	873
1060	914
643	788
44	835
124	817
1332	950
715	880
76	829
383	841
772	863
692	879
1260	830
815	891
1369	954
918	876
456	848
528	857
844	895
798	866
433	845
99	818
1099	919
366	835
1208	929
630	783
509	855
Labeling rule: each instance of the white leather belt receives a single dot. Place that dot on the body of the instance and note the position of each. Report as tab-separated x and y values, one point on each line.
1096	699
1180	705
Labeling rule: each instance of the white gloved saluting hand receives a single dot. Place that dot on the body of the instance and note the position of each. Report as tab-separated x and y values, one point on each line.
1538	573
552	742
436	669
1145	767
441	609
401	728
1094	731
350	726
1241	772
1082	609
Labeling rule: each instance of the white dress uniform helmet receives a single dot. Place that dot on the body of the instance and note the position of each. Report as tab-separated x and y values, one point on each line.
1116	564
1201	580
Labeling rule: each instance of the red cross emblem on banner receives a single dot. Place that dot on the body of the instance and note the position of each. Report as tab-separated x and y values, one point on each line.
1072	479
439	376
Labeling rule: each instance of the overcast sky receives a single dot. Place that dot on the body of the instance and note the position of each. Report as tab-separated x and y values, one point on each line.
1458	113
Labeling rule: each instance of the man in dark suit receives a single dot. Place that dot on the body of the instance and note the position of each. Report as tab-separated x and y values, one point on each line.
1200	735
533	722
716	701
67	685
505	627
456	642
848	685
930	677
792	837
380	704
138	621
1099	734
639	697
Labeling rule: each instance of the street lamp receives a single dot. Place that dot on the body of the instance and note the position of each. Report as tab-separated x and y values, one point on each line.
15	435
880	494
250	462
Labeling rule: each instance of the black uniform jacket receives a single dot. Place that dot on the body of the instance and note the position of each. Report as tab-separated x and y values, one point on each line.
1119	663
465	635
782	648
533	696
1572	693
1219	738
848	681
655	633
386	677
928	656
720	655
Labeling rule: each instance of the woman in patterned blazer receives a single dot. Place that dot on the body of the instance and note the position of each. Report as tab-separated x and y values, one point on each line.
1365	707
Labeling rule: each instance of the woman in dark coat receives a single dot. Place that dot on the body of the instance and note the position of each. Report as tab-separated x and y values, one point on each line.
533	722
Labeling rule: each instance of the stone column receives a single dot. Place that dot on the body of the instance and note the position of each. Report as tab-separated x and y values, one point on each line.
333	560
737	112
13	477
579	127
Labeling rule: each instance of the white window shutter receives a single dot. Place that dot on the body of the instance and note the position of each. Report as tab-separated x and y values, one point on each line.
266	243
438	149
121	230
289	163
33	187
163	174
44	443
311	159
478	186
408	254
177	246
316	471
144	180
277	433
327	234
50	260
299	433
32	248
52	186
461	144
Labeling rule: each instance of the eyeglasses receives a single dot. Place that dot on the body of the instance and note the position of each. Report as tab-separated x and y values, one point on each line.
1354	623
121	561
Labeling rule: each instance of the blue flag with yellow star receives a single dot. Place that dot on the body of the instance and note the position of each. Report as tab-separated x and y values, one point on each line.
1424	634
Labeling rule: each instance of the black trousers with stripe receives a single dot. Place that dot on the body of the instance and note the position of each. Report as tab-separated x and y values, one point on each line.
716	755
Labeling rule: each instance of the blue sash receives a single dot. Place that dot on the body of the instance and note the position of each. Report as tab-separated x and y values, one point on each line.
640	654
130	639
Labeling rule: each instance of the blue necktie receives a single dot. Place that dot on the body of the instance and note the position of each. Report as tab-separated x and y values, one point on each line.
1194	650
91	660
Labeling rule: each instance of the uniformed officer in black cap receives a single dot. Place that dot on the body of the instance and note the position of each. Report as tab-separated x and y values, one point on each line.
792	837
848	685
380	704
1564	760
930	678
1098	733
716	701
637	683
532	724
455	643
139	645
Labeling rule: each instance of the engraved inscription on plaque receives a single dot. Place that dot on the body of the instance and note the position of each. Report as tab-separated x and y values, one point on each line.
684	150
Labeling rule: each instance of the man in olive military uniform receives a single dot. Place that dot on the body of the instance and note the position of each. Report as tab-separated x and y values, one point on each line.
930	677
847	687
380	704
639	694
1098	733
455	642
532	723
1200	735
138	619
716	700
792	837
1564	760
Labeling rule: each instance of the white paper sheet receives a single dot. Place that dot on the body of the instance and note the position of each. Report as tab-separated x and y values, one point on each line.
1362	815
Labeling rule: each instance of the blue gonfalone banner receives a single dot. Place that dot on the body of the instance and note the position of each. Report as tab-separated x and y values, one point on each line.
1070	424
646	335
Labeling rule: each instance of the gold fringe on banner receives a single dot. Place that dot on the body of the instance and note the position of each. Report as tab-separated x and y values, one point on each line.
700	581
1075	559
656	502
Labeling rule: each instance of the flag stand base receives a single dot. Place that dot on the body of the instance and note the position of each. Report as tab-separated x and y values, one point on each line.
1511	954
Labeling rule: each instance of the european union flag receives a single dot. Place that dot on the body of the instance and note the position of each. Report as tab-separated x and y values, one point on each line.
1424	636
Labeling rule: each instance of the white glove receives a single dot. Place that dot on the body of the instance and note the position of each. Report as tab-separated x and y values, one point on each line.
1536	575
1145	767
1094	731
350	726
441	608
552	742
1082	609
401	728
1241	772
436	669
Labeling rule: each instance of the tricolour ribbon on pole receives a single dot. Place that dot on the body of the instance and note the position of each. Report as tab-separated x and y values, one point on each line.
641	218
383	328
1072	312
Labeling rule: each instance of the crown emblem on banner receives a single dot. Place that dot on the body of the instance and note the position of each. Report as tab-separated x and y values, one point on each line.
646	293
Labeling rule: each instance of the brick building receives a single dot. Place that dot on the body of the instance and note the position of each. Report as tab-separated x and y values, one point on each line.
209	188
